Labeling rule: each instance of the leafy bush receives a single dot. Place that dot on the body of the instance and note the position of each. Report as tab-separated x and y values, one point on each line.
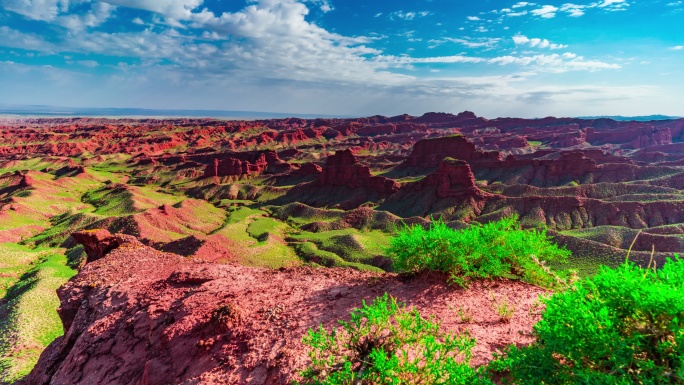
385	343
622	326
496	249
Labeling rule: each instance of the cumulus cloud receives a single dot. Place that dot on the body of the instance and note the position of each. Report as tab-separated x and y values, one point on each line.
408	15
546	11
573	10
29	41
536	42
521	4
273	44
46	10
569	9
57	11
173	9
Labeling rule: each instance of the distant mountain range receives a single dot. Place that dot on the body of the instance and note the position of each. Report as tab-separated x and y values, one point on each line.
53	111
645	118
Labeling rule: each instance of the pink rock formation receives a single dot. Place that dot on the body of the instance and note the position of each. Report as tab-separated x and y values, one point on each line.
453	178
342	169
429	153
99	242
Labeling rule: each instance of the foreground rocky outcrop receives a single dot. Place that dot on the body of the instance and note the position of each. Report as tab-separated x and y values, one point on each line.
140	316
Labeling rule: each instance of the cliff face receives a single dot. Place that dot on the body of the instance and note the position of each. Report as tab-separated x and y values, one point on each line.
453	178
342	169
242	164
450	187
141	317
428	153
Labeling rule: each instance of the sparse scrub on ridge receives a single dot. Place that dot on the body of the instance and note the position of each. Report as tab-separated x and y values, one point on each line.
386	343
496	249
622	326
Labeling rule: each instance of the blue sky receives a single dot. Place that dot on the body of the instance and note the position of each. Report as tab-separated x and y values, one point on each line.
350	57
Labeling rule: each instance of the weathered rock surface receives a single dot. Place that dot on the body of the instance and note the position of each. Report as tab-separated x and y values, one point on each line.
99	242
342	169
429	153
140	316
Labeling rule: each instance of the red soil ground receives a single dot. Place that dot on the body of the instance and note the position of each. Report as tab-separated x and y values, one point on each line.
140	316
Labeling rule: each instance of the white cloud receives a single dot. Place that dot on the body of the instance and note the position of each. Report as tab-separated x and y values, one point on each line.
546	11
172	9
536	42
57	11
17	39
608	3
573	10
555	63
408	15
521	4
486	42
323	5
95	16
270	45
436	59
473	18
46	10
677	48
88	63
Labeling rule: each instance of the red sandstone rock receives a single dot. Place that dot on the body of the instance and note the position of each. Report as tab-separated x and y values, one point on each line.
26	181
429	153
251	164
342	169
309	169
97	243
453	178
139	316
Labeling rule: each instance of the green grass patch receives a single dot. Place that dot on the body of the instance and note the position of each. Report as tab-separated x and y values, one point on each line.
239	214
261	227
310	252
31	321
350	245
271	252
61	228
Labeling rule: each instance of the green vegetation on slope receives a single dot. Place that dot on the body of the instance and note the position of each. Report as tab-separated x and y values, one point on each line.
622	326
496	249
360	248
28	317
386	343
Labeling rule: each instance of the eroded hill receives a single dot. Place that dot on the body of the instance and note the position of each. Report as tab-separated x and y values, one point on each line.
290	192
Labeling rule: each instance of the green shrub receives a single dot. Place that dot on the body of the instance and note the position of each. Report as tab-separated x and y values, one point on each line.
496	249
622	326
385	343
